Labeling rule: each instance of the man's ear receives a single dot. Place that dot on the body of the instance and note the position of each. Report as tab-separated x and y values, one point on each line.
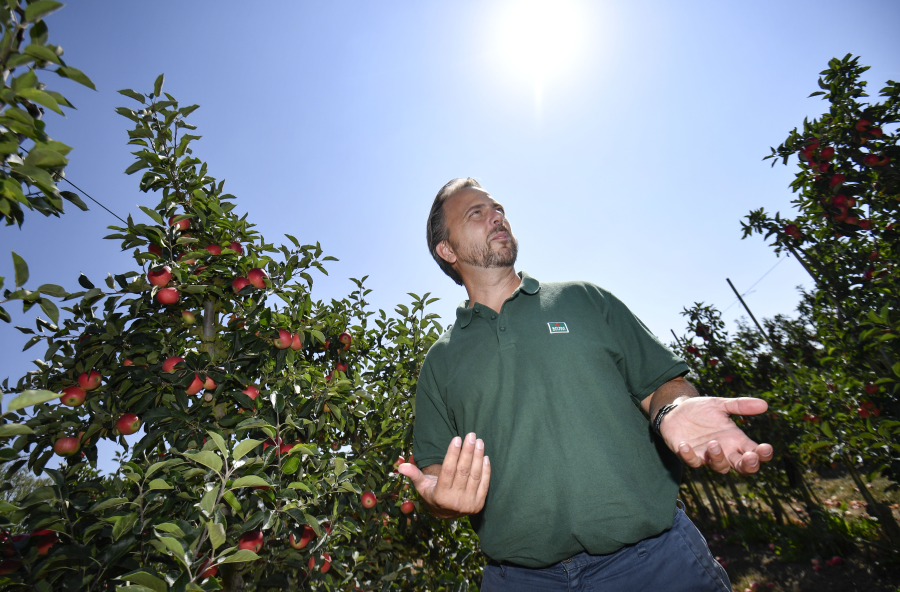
445	252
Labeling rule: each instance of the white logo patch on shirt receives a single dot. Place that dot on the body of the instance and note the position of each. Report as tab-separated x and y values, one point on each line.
558	327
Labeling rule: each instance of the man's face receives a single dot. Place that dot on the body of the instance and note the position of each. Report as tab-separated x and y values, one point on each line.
480	234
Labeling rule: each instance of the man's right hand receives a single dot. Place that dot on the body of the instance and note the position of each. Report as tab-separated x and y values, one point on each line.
457	487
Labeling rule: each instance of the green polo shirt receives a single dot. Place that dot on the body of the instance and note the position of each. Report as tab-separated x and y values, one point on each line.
552	384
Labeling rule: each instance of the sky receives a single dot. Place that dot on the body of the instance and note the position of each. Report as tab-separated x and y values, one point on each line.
625	139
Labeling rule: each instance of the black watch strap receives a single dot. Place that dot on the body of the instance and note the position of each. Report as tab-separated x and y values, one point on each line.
657	421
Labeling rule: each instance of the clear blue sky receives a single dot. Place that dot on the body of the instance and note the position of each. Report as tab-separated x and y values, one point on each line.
338	122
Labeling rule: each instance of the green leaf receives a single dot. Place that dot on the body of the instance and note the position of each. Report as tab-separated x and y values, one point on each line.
123	525
21	270
174	546
159	484
299	485
207	458
52	290
250	481
7	507
232	501
339	466
38	10
74	199
241	556
208	501
157	86
51	309
146	580
109	503
216	534
826	429
290	467
132	94
8	430
170	528
219	440
243	447
41	98
41	52
31	397
40	157
153	214
78	76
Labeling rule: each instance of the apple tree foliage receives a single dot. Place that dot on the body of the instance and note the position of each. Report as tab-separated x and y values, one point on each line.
832	376
30	161
223	489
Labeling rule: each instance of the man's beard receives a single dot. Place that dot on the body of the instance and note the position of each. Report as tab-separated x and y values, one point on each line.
485	257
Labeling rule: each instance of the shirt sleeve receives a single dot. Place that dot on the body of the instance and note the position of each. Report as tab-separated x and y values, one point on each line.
433	427
645	362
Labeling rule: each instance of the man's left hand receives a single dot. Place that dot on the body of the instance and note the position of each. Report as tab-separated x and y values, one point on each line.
701	432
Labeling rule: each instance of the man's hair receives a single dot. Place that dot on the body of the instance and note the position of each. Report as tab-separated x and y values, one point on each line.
437	230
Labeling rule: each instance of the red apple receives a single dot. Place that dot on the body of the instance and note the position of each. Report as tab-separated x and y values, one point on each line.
297	341
8	566
128	423
865	224
308	534
236	247
284	339
43	539
196	385
155	249
252	540
862	124
188	317
128	362
326	562
73	396
209	384
407	506
346	339
182	224
871	160
66	446
713	362
239	283
214	249
167	296
812	143
89	381
186	261
823	168
170	363
257	277
208	571
251	391
827	153
159	277
341	367
368	500
836	179
871	389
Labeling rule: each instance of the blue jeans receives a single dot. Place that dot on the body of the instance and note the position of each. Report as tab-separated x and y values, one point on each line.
677	560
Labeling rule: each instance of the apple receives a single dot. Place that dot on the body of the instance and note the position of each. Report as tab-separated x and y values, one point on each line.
214	249
407	506
754	586
186	261
196	385
73	396
155	249
167	296
208	571
188	317
865	224
284	339
713	362
66	446
308	534
297	341
209	384
128	362
341	367
251	391
812	143
257	277
792	231
170	363
44	539
368	499
871	160
128	423
182	224
827	153
839	200
871	389
236	247
8	566
89	381
837	560
326	562
239	283
862	124
836	179
159	277
252	540
346	339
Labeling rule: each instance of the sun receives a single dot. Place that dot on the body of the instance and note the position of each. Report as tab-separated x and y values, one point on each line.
540	38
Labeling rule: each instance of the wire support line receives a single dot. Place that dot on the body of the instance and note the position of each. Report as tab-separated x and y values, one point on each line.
780	261
93	200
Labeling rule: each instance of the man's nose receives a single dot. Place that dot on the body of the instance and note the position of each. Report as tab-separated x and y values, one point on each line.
498	218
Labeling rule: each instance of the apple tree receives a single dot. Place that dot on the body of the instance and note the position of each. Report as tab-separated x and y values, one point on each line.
268	424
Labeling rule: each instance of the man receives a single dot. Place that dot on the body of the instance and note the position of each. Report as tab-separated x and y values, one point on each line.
569	487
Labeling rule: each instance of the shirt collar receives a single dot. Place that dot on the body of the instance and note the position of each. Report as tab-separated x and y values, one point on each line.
464	314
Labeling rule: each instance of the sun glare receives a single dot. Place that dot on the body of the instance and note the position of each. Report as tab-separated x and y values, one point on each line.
539	38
